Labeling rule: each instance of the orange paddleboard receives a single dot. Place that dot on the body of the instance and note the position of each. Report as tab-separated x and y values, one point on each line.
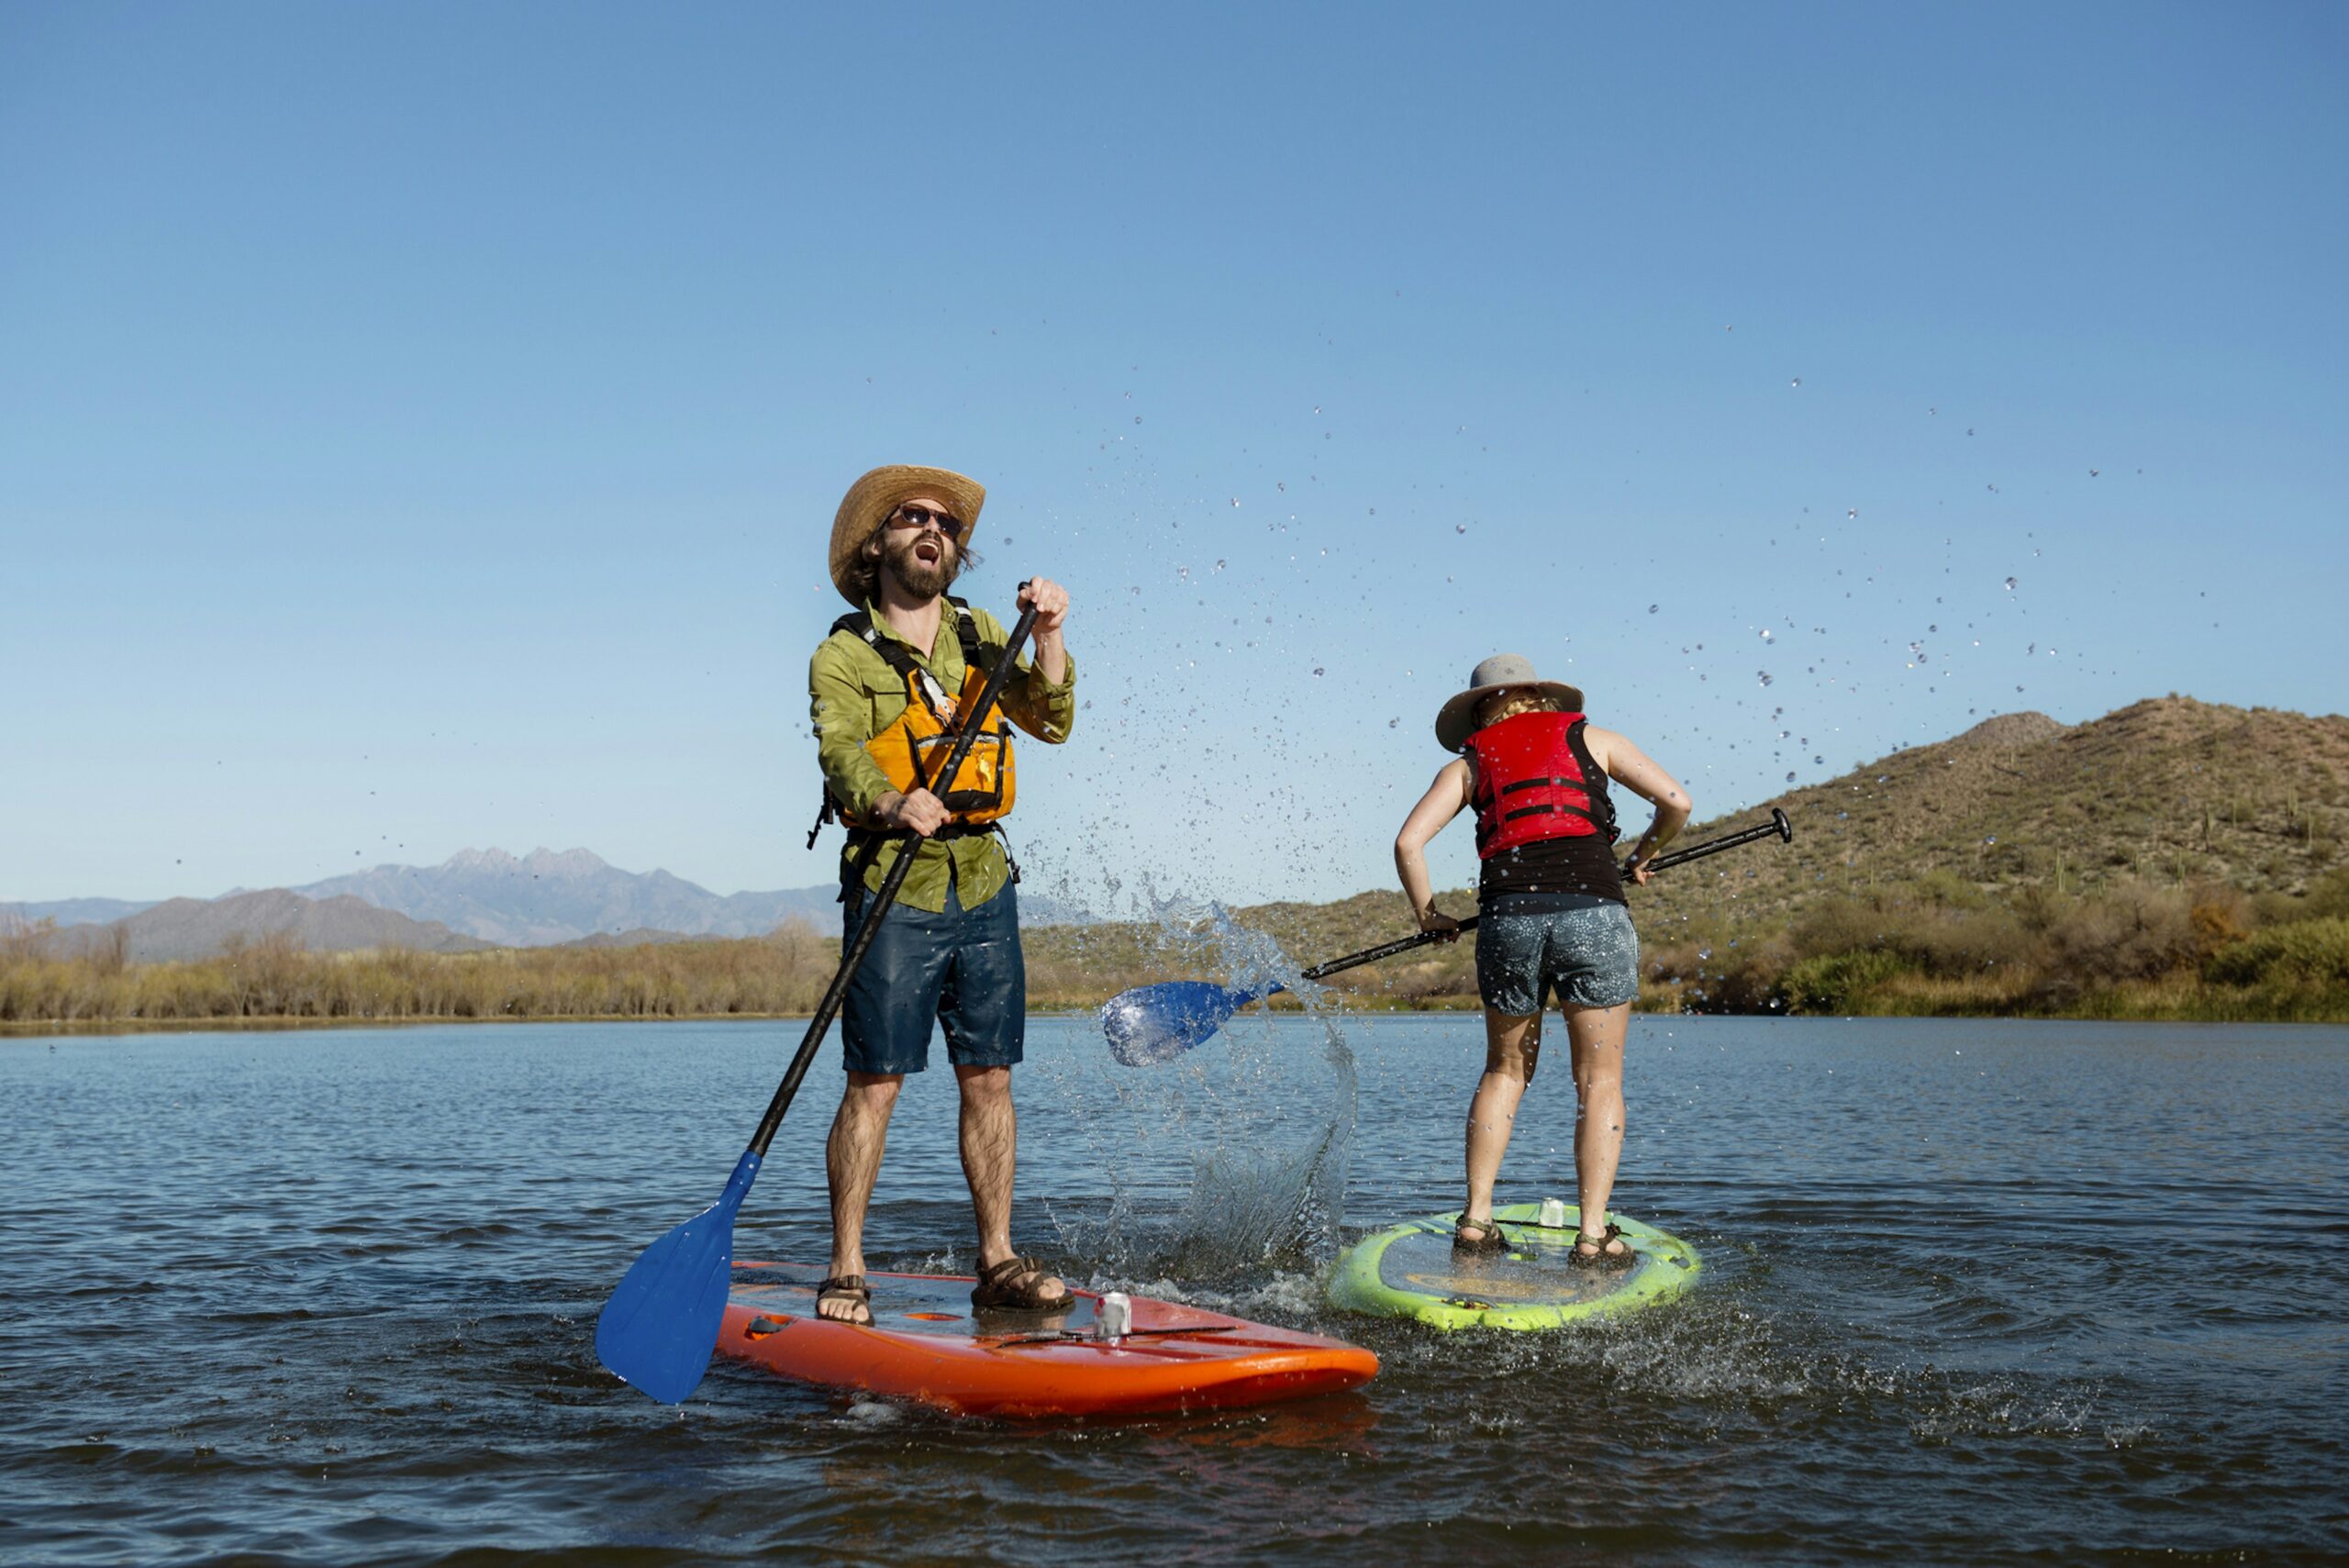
924	1344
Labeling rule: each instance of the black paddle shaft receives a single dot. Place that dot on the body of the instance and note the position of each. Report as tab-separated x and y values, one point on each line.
896	878
1777	827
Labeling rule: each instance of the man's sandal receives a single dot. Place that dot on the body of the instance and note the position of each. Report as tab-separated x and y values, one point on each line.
1015	1285
851	1289
1600	1258
1493	1240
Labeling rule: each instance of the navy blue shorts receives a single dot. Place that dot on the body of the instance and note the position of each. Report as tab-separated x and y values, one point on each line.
961	970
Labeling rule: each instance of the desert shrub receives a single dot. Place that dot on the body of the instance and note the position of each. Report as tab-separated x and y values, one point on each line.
1966	943
1835	982
1944	889
2220	915
2327	897
2306	952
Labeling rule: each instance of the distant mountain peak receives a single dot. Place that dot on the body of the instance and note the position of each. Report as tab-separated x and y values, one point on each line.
491	859
543	861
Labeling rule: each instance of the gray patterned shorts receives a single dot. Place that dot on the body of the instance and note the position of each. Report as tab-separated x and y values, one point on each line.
1591	956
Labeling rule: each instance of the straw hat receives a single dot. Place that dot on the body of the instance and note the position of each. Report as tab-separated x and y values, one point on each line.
871	499
1503	672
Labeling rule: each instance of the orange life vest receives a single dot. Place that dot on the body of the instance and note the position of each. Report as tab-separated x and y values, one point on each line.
912	748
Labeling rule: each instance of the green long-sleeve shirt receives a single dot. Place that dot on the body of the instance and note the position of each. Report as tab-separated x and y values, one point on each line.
854	694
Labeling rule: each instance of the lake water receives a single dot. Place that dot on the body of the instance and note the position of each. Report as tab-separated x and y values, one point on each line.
1973	1292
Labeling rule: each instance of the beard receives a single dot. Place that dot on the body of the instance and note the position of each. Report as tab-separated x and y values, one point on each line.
923	579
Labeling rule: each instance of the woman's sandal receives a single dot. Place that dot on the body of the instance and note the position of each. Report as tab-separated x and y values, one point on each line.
1493	1240
1601	1258
851	1289
1012	1285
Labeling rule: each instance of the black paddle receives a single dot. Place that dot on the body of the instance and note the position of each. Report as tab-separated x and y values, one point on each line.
658	1328
1155	1023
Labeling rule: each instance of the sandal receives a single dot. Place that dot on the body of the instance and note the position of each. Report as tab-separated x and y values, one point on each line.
1600	1257
851	1289
1015	1285
1494	1239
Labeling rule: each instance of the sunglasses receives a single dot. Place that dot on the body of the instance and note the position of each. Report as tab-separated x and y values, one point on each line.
924	518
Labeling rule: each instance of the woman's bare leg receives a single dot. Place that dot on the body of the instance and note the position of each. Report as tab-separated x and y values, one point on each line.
1512	1050
1595	1036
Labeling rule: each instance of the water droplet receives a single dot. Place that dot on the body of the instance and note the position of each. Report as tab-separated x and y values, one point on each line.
2011	583
1653	608
1762	676
1460	527
1796	381
1316	669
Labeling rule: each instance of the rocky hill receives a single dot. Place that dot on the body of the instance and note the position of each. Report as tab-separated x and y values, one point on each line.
2168	790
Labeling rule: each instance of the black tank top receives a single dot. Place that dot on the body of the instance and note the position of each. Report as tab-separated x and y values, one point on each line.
1582	865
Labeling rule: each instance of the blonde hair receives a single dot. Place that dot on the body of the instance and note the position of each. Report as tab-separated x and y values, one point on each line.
1510	704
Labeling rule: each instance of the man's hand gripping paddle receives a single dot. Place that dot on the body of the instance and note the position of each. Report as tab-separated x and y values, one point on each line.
1157	1023
660	1324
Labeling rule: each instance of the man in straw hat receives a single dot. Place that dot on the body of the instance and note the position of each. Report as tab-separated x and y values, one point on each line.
884	689
1551	918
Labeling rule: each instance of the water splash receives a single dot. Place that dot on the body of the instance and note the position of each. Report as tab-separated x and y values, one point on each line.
1230	1154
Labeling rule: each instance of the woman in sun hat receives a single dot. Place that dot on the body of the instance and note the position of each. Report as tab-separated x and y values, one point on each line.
1550	915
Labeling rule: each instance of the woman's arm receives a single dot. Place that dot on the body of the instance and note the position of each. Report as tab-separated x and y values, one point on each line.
1443	801
1635	771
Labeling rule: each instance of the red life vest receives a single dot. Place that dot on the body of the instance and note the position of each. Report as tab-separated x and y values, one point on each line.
1536	780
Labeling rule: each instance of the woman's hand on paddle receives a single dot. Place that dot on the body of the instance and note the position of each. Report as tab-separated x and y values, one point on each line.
1636	868
921	811
1434	921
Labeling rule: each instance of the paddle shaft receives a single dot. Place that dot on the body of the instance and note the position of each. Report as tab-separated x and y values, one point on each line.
887	894
1777	827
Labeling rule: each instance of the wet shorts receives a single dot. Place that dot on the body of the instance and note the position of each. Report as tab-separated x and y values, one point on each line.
1590	955
961	970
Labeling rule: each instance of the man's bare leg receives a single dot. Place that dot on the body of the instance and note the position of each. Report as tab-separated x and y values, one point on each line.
1512	1049
990	1142
852	1161
1595	1036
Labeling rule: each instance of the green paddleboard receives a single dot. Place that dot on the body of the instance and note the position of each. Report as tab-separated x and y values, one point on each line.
1410	1271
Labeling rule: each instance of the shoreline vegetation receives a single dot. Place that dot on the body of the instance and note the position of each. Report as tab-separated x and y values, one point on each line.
1934	946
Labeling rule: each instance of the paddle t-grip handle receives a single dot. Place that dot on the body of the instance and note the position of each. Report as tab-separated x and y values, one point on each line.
882	898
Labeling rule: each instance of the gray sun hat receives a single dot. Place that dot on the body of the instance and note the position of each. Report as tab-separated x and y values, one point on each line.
1456	720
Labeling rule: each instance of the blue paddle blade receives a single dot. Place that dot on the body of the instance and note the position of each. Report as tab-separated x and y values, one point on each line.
660	1324
1158	1023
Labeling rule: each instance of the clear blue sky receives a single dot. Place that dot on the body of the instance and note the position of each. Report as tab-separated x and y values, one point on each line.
420	424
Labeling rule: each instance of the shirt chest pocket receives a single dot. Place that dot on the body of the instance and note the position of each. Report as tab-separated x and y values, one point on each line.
884	692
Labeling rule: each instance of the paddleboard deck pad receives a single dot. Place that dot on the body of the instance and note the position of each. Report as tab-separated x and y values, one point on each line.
1410	1271
925	1345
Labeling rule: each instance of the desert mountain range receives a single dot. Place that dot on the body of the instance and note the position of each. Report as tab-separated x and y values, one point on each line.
476	898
